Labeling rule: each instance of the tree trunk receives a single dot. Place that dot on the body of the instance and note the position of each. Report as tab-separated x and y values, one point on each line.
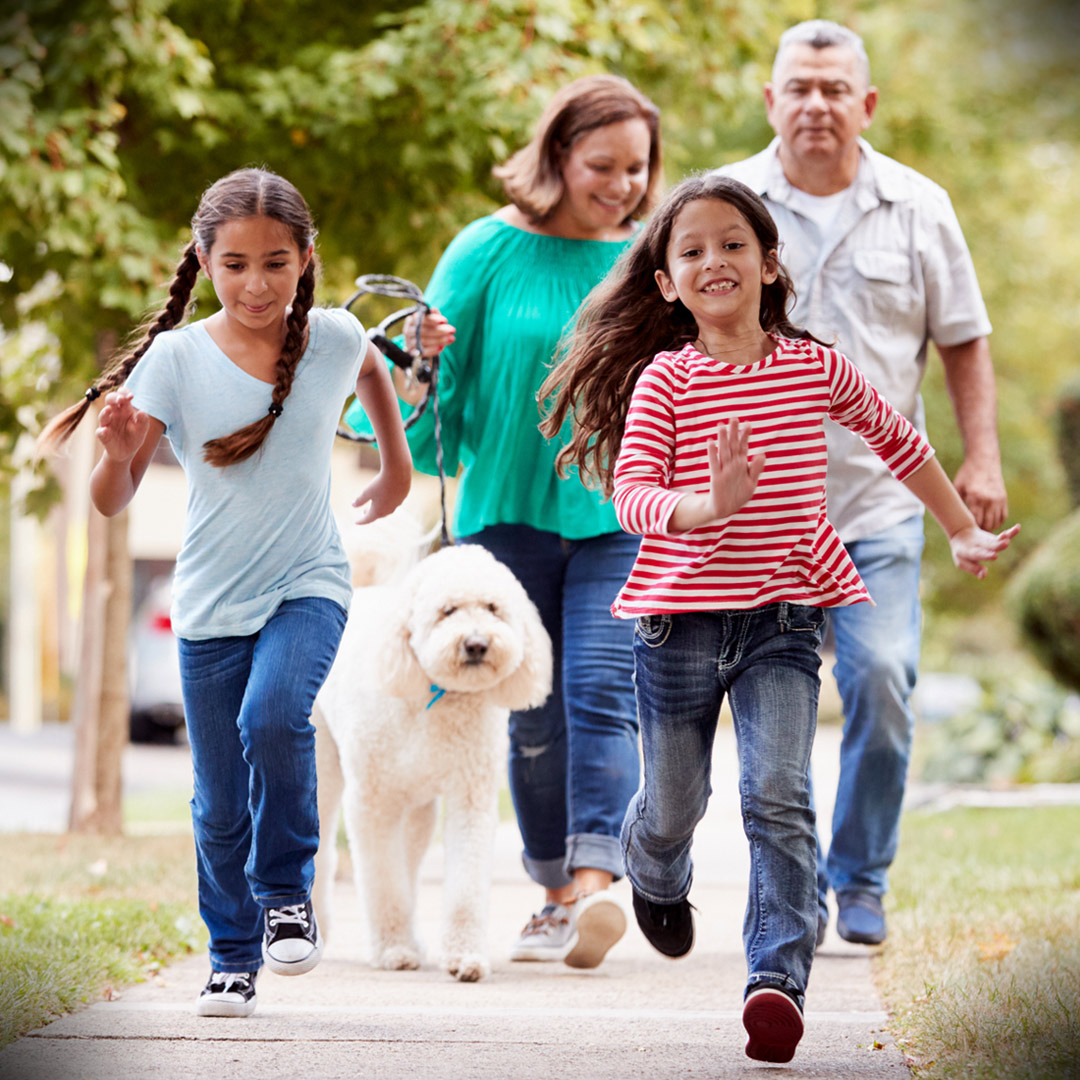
100	709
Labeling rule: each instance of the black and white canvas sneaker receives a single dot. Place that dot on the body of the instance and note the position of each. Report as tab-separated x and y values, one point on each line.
228	993
292	943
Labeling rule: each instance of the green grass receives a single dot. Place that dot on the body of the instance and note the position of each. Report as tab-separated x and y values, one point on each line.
982	968
82	916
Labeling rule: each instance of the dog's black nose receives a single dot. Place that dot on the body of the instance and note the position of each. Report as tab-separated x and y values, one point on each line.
475	647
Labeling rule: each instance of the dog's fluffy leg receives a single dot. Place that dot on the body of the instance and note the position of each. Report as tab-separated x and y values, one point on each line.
419	829
377	843
330	786
469	834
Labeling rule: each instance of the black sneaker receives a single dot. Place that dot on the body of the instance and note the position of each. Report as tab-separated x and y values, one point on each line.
292	943
668	928
228	993
773	1020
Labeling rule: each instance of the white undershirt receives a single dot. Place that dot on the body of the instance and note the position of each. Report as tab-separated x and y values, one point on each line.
820	209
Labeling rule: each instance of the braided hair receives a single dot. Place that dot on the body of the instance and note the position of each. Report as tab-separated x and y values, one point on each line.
241	194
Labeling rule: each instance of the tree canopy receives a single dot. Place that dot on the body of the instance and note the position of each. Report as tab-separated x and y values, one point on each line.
116	114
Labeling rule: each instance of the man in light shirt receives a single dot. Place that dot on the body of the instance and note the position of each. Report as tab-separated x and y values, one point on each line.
881	268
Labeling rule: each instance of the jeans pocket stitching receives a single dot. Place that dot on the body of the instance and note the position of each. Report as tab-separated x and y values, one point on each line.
656	639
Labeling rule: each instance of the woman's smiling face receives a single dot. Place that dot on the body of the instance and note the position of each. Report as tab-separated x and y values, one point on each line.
605	174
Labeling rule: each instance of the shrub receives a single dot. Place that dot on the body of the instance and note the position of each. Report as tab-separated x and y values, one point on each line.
1026	731
1044	597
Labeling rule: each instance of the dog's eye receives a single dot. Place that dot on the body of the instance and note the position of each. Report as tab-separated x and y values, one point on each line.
493	609
448	610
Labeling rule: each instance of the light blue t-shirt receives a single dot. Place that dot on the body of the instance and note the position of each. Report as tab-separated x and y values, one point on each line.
259	532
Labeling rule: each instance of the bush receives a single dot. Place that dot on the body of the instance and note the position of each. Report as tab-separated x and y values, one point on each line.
1026	731
1044	597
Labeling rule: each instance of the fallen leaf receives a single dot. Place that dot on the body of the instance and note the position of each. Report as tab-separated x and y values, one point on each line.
6	920
997	948
112	994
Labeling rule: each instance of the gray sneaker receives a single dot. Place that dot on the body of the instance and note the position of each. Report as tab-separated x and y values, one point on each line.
547	936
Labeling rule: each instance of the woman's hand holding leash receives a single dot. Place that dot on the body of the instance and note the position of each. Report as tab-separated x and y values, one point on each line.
733	477
435	333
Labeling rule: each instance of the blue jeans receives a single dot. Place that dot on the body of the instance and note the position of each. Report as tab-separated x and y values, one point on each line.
247	701
767	660
574	760
877	657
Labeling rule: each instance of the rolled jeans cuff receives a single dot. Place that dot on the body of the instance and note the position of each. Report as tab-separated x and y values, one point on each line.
550	873
596	851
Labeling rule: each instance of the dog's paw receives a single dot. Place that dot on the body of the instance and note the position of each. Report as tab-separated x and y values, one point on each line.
399	958
467	967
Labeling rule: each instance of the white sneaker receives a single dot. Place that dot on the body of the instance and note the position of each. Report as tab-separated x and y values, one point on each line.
547	936
228	994
601	921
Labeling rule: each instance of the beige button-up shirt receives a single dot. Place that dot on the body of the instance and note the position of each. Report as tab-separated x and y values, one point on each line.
889	274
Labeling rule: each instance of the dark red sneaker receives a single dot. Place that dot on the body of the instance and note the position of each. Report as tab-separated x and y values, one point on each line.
774	1024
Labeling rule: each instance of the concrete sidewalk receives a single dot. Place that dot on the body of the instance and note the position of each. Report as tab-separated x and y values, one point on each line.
638	1015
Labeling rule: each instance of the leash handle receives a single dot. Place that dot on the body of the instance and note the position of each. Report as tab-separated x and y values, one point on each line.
426	370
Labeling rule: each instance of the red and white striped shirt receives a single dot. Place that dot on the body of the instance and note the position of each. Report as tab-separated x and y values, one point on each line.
780	545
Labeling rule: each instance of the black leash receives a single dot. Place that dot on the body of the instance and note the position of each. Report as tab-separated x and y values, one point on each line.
424	370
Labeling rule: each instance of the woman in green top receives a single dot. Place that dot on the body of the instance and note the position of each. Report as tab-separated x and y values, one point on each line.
507	286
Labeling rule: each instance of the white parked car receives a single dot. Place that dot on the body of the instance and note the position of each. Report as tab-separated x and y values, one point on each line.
157	704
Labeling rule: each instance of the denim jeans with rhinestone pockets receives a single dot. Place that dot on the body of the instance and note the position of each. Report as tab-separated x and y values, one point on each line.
247	701
766	660
574	760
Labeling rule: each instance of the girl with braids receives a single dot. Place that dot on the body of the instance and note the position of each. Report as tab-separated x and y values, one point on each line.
250	399
700	409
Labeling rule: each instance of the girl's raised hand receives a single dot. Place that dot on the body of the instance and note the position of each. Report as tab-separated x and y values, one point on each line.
121	427
733	477
435	333
971	547
733	473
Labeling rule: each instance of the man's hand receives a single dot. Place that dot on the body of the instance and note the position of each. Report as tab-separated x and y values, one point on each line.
983	490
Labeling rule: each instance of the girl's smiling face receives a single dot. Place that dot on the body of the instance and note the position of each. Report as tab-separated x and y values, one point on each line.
716	267
255	266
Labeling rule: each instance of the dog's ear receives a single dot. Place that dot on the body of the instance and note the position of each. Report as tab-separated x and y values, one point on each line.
529	685
396	668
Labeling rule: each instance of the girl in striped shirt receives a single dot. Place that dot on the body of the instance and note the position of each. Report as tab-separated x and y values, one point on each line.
700	409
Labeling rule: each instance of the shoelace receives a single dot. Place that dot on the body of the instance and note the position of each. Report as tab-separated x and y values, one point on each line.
543	921
293	913
229	979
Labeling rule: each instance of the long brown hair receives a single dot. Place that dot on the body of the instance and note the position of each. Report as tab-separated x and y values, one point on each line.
242	194
625	321
532	178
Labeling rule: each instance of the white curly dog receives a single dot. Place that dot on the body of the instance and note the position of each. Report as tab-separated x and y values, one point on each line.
416	707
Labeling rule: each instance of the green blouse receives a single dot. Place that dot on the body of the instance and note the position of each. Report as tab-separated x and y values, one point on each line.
509	294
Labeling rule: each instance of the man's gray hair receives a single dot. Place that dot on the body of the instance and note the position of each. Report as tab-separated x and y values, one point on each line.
822	34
